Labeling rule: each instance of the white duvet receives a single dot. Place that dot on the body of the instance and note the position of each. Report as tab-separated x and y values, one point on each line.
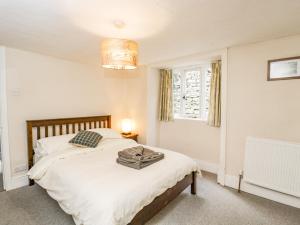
95	190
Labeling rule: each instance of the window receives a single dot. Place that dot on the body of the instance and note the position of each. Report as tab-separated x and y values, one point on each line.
191	89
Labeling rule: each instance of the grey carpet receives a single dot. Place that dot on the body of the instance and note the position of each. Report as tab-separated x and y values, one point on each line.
214	205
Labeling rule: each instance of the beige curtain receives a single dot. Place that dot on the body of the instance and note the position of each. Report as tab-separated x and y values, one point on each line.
214	115
165	96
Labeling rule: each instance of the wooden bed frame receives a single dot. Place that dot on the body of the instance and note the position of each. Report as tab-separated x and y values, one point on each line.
37	129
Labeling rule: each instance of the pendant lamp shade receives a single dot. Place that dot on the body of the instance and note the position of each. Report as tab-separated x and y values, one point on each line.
119	54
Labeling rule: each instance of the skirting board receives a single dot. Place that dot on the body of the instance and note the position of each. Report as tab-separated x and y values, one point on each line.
207	166
233	181
17	182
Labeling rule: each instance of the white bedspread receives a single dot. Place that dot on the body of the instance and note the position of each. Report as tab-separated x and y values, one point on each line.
95	190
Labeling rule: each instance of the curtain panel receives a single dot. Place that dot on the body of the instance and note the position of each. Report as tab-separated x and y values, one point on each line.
166	95
214	115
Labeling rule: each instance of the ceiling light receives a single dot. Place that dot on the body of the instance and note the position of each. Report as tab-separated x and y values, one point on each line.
119	54
119	24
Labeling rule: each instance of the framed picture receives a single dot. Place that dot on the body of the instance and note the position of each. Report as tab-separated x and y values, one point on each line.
284	69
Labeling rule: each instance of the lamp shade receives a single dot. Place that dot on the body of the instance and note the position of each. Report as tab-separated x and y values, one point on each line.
126	126
119	54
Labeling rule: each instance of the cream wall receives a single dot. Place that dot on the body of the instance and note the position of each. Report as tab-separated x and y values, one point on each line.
40	87
255	106
153	81
136	100
191	137
142	103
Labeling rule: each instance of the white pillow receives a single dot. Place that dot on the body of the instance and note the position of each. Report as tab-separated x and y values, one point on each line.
46	146
107	133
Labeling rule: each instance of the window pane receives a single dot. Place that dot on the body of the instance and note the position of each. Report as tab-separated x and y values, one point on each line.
176	93
191	90
192	96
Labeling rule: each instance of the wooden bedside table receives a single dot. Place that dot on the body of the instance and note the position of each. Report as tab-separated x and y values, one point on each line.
132	136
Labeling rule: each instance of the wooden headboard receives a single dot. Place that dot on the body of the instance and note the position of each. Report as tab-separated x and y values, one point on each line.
37	129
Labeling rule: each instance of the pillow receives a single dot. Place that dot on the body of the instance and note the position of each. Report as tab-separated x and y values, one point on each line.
107	133
46	146
86	138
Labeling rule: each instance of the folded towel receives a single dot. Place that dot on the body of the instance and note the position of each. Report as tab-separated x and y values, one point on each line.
138	157
158	156
139	153
137	164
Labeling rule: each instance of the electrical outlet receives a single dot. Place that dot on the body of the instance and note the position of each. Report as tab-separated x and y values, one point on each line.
20	168
15	92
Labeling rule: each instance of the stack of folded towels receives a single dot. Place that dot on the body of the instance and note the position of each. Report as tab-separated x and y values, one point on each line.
138	157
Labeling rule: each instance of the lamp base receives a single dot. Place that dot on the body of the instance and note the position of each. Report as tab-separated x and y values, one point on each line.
126	133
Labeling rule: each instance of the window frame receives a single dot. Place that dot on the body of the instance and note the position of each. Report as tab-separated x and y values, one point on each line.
203	115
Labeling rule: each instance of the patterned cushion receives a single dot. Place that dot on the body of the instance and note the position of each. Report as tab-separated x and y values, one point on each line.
86	139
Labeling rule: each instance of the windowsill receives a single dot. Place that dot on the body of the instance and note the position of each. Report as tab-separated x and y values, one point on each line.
191	119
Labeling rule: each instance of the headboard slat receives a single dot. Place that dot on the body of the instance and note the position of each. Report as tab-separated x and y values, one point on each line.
38	129
38	124
67	128
60	129
46	131
53	130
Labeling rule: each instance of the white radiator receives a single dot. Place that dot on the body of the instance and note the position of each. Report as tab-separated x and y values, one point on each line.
273	164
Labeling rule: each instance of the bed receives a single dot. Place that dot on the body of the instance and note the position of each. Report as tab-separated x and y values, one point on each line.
93	188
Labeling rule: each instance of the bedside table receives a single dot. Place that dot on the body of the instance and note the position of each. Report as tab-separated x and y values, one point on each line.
132	136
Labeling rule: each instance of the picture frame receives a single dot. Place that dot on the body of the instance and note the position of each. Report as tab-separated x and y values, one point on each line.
284	69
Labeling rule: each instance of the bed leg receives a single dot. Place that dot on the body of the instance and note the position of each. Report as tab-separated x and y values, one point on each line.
194	183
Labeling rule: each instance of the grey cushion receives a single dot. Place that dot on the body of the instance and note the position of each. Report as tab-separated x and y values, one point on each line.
86	139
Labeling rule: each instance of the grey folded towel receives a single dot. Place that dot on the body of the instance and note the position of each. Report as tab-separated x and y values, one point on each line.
139	153
137	164
138	157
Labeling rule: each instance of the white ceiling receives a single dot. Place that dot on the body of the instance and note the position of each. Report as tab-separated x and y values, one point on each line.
165	29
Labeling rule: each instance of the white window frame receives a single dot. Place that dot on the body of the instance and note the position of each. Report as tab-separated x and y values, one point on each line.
182	71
